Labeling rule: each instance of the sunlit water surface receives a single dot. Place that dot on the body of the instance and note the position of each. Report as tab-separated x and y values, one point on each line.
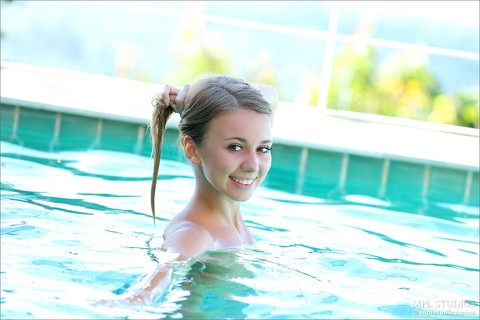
76	228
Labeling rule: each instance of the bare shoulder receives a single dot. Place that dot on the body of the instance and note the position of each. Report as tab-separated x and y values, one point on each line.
187	238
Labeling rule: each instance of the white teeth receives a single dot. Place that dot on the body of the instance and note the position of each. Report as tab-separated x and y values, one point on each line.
245	182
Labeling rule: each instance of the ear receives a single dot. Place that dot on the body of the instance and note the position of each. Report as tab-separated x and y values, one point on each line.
190	149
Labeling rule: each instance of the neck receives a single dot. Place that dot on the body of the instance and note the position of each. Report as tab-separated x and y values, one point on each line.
210	201
219	214
215	203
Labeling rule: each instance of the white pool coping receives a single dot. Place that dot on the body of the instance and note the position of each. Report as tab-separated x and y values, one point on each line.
299	125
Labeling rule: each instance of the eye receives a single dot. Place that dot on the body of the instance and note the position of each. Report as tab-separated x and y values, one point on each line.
265	149
235	147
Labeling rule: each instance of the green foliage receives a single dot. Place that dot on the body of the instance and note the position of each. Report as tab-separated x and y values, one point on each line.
196	55
199	52
400	86
468	112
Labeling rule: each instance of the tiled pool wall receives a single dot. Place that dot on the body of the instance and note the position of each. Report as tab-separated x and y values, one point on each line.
301	170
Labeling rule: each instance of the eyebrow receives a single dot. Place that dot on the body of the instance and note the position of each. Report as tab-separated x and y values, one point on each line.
245	140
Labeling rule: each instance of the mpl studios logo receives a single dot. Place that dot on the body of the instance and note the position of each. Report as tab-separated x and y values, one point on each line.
446	308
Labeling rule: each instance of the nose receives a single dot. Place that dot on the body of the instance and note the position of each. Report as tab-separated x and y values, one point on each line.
250	162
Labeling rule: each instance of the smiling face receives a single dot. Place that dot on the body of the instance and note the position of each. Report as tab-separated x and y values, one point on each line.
235	155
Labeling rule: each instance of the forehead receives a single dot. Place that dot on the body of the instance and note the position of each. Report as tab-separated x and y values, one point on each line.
241	122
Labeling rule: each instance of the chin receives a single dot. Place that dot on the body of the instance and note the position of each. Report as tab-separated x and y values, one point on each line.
241	198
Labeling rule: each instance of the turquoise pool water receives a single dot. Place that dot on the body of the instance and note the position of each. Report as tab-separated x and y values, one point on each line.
75	227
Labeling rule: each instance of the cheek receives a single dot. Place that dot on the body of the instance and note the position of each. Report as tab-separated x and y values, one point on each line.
265	164
221	162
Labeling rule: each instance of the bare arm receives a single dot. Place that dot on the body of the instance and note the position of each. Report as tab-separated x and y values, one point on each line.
148	287
184	240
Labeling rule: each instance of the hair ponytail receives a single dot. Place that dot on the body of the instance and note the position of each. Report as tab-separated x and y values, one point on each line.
158	124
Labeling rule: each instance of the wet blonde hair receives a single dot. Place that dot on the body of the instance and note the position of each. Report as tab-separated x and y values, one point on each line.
206	99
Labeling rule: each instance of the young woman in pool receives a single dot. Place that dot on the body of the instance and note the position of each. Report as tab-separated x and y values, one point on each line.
225	130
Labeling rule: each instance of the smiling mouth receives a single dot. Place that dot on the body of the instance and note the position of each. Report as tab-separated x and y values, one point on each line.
243	182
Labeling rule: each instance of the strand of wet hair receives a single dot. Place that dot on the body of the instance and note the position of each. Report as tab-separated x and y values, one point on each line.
161	114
